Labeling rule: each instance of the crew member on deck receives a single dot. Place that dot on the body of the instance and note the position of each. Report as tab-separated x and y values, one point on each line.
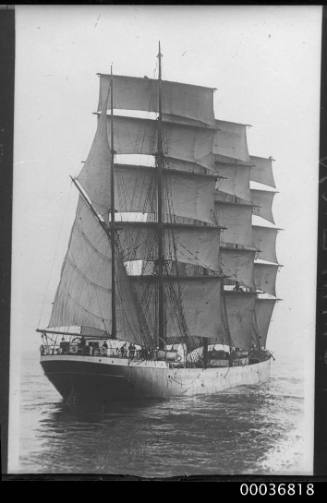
123	351
62	345
237	287
131	350
82	345
104	348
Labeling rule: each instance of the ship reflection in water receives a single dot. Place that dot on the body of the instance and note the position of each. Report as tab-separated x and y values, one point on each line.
253	429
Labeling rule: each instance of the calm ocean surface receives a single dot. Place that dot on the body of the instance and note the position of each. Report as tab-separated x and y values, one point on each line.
251	429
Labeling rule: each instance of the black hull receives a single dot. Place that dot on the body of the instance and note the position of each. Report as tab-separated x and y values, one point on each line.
96	383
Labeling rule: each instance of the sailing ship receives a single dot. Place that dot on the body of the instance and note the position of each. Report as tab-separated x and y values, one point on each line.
168	284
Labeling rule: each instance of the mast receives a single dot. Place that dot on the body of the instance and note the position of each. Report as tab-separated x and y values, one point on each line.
160	162
205	352
225	316
112	214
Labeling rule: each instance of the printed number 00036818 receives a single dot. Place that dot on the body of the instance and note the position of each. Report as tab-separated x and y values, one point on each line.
281	489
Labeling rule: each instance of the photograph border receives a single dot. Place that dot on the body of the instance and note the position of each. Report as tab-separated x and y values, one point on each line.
7	79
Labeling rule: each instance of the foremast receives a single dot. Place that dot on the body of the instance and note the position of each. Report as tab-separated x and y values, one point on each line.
112	213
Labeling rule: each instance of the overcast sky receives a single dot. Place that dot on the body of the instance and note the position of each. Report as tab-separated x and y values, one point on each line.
265	64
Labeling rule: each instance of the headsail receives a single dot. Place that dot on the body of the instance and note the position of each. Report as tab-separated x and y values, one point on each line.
84	291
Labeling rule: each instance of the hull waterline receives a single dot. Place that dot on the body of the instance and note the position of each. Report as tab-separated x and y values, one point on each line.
112	379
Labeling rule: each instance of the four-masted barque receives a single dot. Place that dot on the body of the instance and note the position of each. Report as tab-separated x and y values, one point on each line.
168	284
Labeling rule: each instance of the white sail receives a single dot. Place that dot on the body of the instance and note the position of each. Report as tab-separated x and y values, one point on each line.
94	177
237	222
240	313
131	323
265	277
193	245
183	101
235	181
181	142
263	201
264	239
230	142
238	265
262	170
84	293
185	195
196	149
83	297
263	312
190	303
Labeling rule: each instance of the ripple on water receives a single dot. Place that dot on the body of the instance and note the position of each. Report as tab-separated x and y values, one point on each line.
250	429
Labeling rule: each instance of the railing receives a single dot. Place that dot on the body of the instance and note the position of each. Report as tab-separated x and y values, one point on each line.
76	349
237	358
132	353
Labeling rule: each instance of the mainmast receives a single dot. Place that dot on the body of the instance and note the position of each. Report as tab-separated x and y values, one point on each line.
159	163
112	213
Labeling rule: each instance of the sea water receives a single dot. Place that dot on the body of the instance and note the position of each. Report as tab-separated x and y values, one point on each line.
247	430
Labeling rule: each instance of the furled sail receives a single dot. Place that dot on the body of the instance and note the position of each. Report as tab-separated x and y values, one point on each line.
263	201
240	313
265	277
262	171
230	142
265	241
182	142
263	313
183	101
